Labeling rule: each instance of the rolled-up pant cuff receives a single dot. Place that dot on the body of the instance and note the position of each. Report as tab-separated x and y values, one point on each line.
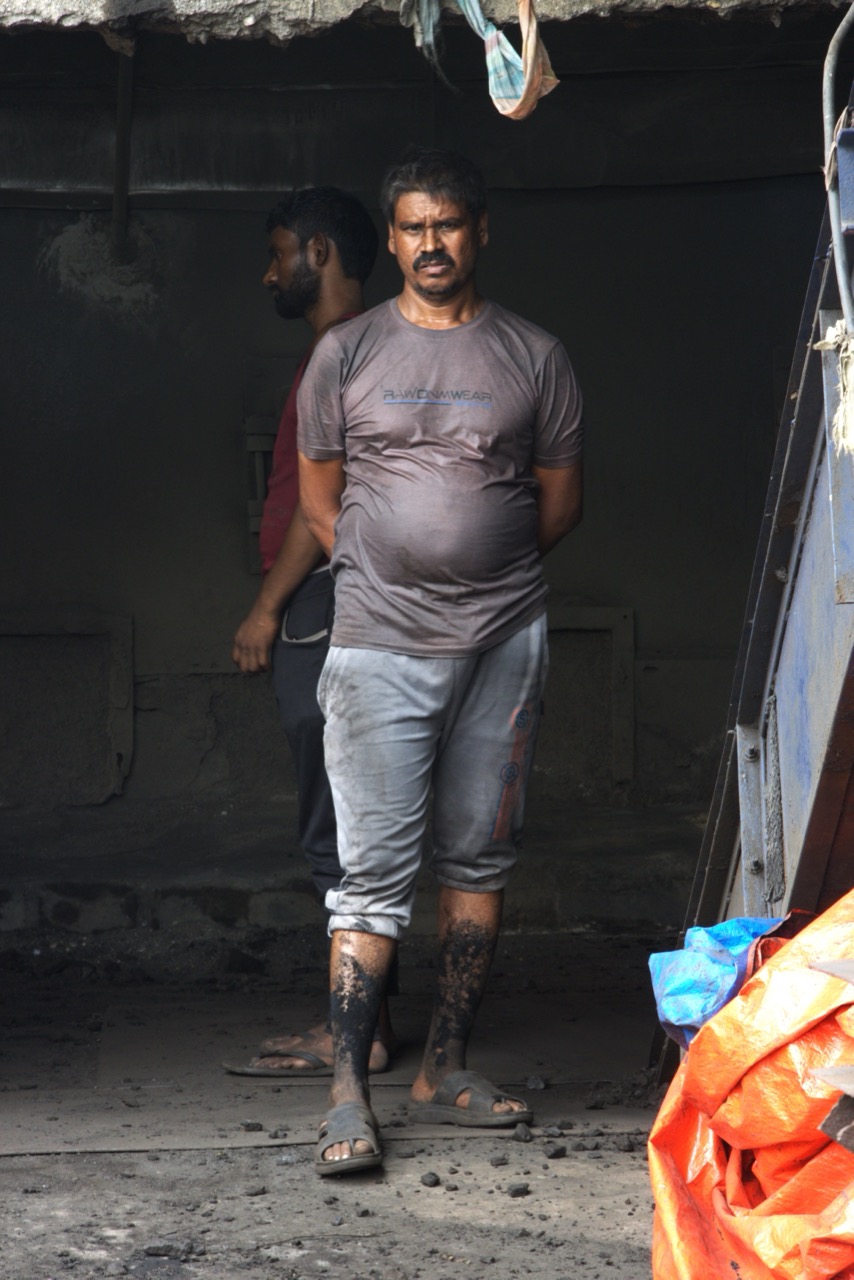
382	925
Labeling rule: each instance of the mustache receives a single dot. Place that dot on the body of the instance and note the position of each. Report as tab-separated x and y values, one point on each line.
437	257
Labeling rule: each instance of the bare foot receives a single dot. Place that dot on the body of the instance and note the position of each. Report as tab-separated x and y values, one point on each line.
283	1051
423	1091
352	1146
317	1039
502	1108
344	1150
351	1118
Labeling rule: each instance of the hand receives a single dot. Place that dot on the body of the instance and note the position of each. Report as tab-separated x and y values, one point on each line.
254	640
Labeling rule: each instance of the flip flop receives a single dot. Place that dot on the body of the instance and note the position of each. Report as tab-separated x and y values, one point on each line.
316	1066
478	1114
348	1122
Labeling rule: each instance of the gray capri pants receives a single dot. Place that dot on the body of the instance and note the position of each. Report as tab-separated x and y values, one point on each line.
395	725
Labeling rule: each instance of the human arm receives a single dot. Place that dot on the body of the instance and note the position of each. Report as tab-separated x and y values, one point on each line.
557	459
321	486
559	503
297	556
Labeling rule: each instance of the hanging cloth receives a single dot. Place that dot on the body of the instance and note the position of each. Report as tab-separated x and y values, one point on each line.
515	84
424	17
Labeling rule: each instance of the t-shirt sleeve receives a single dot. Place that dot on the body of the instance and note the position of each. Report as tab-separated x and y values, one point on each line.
559	426
320	415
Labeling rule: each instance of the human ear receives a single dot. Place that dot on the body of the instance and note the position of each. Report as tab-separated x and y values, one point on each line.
319	247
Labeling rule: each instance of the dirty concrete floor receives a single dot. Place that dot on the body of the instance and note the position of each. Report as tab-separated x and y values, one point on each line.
125	1149
139	948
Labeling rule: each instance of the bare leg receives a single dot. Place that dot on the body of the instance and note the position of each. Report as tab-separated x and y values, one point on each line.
359	965
283	1051
468	931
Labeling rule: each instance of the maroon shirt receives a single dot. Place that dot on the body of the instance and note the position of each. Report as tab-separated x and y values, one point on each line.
283	485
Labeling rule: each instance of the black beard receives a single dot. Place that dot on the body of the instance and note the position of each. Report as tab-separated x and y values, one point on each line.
436	290
302	293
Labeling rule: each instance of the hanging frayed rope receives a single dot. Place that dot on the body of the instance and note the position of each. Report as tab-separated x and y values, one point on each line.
424	16
840	340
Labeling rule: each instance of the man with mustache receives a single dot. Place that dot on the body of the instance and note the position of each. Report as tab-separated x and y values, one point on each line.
323	245
440	459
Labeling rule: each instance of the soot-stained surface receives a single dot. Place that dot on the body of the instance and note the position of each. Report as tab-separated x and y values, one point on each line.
127	1150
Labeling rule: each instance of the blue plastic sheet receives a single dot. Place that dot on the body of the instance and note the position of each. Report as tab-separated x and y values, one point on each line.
691	984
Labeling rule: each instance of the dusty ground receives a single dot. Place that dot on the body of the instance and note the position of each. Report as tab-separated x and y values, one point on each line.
126	1150
228	1213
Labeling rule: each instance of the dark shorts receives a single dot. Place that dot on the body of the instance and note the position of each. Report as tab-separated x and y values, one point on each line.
298	658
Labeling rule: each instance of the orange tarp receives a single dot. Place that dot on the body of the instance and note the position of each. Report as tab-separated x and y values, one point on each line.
746	1186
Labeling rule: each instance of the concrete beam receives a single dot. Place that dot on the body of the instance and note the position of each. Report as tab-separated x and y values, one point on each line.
280	21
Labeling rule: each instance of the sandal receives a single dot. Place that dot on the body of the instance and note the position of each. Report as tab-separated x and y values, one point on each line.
348	1122
315	1066
443	1109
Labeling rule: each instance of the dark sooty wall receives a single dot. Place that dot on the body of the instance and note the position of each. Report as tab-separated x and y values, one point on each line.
652	213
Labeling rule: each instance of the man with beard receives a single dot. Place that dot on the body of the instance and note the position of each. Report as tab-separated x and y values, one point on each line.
440	458
323	246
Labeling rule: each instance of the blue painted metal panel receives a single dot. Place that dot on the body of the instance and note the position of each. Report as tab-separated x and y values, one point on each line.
813	662
787	827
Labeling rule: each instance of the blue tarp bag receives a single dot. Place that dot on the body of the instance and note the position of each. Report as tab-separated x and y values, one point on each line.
691	984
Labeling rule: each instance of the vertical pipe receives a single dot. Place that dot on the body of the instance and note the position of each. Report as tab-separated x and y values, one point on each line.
828	97
121	165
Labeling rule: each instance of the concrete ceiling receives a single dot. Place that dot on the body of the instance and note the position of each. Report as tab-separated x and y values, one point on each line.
282	20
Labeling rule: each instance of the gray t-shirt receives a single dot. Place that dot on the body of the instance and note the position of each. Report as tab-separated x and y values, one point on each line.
435	547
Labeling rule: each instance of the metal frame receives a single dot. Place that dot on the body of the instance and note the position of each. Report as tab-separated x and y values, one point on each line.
736	831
